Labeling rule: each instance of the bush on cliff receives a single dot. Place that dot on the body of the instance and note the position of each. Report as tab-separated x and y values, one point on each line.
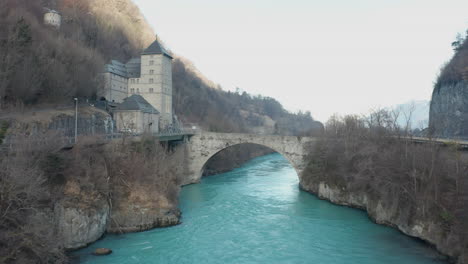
26	203
457	68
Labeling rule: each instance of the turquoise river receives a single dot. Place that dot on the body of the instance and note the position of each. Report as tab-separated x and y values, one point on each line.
257	214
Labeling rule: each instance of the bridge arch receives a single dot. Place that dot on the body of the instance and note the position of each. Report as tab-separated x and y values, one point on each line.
213	155
202	147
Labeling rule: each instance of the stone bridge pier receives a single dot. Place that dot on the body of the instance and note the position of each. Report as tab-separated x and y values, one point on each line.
201	147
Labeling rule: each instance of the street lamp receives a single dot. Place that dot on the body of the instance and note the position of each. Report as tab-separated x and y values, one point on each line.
76	118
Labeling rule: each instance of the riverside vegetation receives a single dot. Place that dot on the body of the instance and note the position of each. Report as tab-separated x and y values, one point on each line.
46	188
421	189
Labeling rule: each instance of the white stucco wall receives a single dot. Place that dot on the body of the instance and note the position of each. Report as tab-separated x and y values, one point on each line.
160	71
52	18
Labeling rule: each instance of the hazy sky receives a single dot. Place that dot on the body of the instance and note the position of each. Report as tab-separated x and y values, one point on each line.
343	56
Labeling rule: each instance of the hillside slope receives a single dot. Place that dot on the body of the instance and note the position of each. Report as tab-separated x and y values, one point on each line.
46	65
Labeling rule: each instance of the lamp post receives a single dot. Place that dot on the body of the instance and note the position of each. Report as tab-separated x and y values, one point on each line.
76	118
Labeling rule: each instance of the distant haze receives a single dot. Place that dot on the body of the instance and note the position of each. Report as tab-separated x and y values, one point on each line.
323	56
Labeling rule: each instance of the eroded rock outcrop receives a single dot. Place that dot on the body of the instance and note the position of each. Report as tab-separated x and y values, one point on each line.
81	224
394	212
141	209
449	110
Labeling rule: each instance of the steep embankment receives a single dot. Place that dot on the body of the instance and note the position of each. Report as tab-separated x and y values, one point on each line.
419	189
55	198
449	105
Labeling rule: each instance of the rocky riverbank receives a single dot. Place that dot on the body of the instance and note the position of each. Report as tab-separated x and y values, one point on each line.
449	110
56	198
390	213
420	190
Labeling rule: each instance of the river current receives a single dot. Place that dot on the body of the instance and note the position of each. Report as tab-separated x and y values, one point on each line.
257	214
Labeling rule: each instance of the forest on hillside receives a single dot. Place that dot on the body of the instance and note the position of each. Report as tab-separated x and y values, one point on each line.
45	65
41	64
457	68
195	101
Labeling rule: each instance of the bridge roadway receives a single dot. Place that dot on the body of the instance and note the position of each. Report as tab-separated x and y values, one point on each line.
204	145
200	146
460	143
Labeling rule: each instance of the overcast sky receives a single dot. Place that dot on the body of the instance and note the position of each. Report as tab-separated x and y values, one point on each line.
328	56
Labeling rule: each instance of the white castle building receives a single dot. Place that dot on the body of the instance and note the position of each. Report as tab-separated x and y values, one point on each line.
149	76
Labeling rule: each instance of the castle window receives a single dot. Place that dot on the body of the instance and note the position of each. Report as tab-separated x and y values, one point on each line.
151	90
151	62
151	72
151	80
132	90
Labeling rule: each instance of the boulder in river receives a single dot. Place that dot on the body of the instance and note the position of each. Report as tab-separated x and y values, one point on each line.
102	251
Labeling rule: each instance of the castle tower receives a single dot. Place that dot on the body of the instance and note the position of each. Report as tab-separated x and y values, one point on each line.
155	80
53	18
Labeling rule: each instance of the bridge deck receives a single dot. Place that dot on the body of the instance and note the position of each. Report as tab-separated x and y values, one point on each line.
463	144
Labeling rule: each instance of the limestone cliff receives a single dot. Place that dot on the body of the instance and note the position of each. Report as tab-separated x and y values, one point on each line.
91	121
449	110
80	223
391	212
449	106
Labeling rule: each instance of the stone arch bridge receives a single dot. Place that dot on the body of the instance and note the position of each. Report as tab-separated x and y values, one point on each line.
201	147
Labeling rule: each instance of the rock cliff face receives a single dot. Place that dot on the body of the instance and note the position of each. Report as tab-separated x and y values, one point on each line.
81	225
141	209
94	198
91	121
392	212
449	110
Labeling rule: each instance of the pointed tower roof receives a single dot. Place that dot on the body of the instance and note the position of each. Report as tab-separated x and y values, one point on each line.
156	48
